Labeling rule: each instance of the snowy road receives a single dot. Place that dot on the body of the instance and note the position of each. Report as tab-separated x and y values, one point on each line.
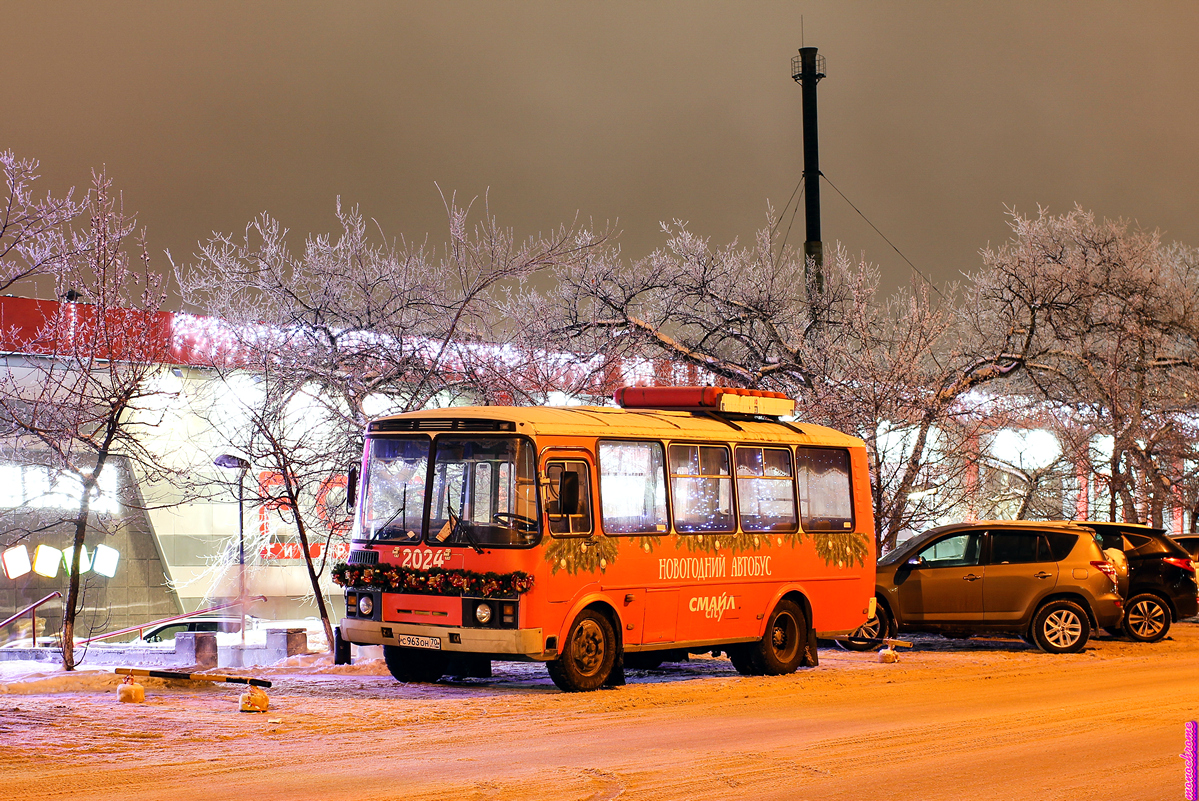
951	720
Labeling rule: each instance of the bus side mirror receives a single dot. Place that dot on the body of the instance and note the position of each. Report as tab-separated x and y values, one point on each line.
351	489
568	493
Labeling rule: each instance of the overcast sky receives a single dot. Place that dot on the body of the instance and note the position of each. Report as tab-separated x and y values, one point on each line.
933	118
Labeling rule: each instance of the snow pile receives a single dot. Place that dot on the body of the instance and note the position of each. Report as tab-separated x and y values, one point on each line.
41	678
368	661
32	678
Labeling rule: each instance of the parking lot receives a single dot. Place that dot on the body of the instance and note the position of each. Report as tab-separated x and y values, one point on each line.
950	720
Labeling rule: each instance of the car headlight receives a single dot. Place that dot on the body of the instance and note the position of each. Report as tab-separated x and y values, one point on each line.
483	613
366	605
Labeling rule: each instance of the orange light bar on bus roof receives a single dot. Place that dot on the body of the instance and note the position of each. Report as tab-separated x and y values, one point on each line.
714	399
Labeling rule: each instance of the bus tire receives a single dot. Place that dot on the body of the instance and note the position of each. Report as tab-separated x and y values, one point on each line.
341	648
784	646
644	661
743	660
587	654
412	664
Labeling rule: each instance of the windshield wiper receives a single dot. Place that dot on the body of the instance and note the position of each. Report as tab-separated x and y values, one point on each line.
401	512
466	531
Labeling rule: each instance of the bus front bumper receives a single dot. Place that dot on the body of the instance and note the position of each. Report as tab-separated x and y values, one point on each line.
517	642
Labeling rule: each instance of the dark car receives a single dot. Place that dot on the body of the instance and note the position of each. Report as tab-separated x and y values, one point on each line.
1050	584
1161	578
1190	544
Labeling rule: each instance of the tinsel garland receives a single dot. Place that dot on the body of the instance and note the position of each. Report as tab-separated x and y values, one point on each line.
434	581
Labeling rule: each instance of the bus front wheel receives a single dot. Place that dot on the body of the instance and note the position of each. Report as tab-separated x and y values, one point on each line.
413	664
587	656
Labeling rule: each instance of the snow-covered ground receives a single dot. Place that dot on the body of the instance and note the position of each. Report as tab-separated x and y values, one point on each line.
950	720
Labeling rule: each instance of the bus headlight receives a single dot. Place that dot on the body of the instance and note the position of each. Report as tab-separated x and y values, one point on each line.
483	613
366	605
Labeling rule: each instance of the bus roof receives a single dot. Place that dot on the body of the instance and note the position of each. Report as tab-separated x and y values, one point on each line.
606	421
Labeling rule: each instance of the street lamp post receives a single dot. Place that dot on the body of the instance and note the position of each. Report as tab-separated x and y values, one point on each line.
236	462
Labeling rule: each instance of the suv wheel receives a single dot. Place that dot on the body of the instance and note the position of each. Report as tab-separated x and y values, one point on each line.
1061	627
876	628
1146	618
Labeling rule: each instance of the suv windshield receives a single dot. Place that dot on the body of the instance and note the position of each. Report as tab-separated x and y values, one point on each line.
904	549
478	491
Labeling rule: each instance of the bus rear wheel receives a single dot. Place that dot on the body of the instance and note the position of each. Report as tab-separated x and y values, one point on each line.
412	664
782	648
587	656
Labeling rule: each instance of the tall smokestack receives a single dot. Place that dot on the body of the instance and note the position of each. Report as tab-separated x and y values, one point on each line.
807	69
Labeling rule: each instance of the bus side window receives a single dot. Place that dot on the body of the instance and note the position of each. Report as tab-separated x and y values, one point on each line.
565	521
765	489
701	486
825	495
632	487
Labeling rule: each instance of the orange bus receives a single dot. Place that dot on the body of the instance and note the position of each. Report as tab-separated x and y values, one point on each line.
689	520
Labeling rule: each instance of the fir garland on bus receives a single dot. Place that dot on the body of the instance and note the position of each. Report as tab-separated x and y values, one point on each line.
434	581
842	547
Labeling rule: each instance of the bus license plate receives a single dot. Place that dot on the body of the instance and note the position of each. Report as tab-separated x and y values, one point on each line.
412	641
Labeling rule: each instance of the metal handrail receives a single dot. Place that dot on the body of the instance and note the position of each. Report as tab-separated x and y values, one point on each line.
32	611
143	626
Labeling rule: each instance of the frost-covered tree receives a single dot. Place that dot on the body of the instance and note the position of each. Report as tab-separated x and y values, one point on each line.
1118	337
898	371
354	326
34	237
87	386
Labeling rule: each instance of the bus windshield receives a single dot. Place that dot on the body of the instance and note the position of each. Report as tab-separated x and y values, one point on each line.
393	493
478	492
483	493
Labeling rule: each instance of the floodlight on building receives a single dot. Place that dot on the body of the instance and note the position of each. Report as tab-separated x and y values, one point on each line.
46	560
68	555
16	561
104	560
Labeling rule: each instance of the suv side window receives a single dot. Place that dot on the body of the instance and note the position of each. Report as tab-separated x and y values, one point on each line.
1015	547
1138	544
961	550
1060	544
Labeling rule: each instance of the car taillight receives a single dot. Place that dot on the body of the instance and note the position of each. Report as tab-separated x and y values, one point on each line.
1107	567
1185	564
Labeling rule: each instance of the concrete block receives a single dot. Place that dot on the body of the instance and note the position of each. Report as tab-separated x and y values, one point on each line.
289	641
196	648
